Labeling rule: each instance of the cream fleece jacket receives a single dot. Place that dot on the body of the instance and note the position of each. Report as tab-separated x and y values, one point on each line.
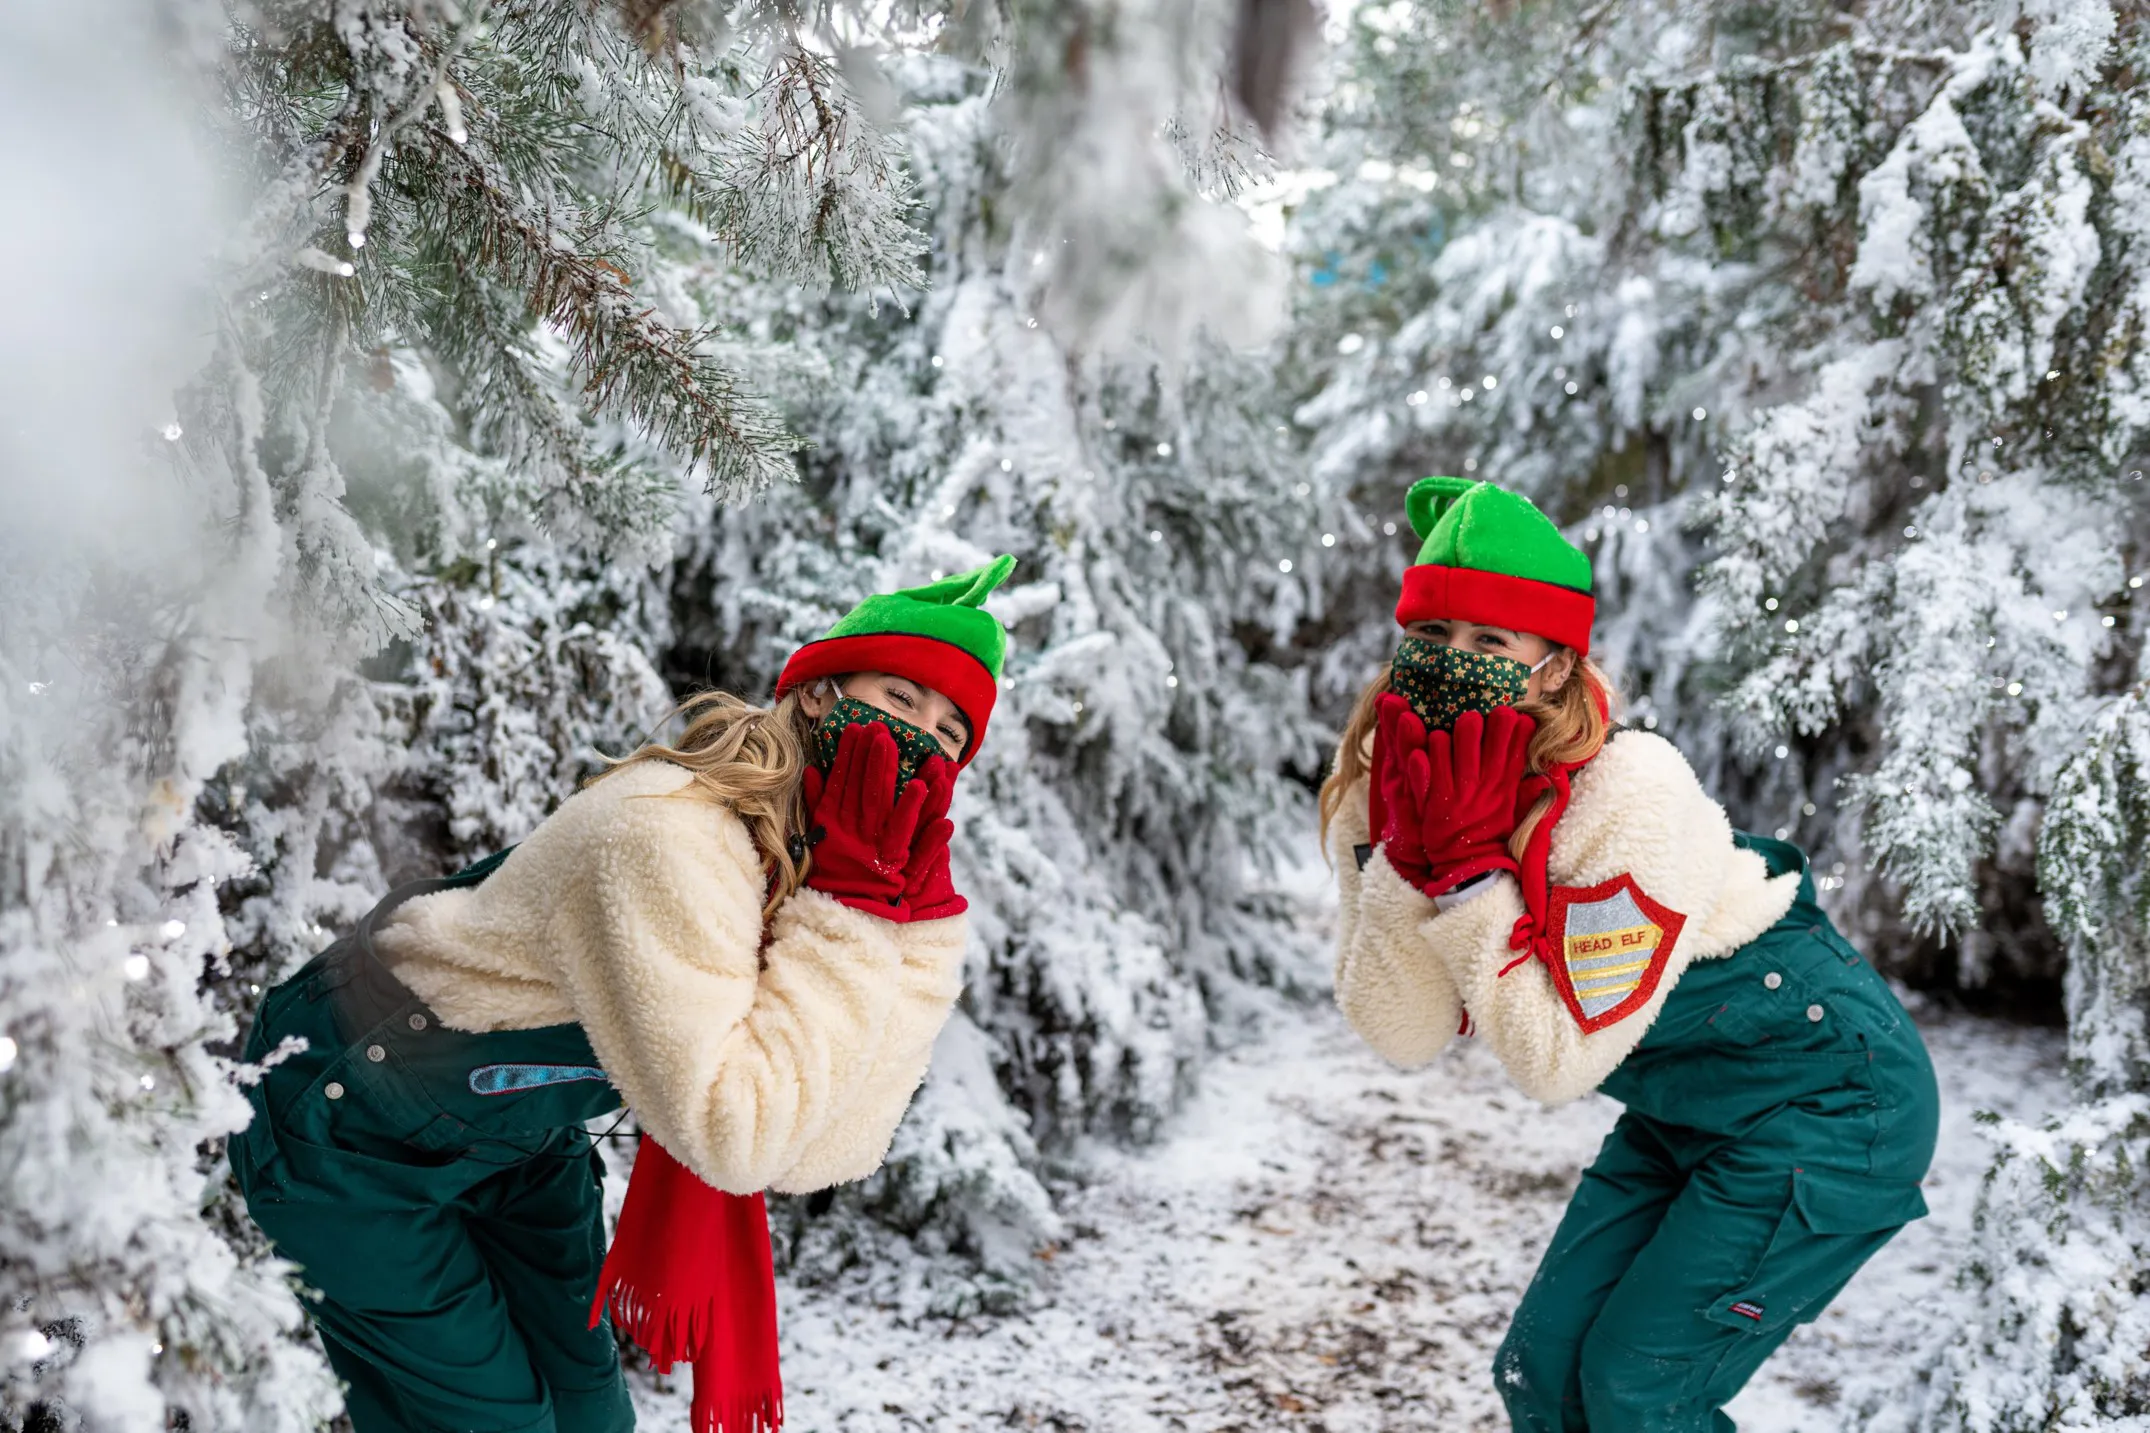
635	911
1407	969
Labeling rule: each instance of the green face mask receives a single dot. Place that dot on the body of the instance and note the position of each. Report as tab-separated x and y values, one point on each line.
913	745
1442	683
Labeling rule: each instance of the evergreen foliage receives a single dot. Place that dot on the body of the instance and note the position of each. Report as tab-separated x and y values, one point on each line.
510	282
1820	329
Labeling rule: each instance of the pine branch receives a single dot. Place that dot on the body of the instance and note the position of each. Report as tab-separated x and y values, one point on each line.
628	359
811	193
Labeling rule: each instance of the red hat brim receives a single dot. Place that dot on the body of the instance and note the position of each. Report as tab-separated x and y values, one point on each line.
1495	599
943	666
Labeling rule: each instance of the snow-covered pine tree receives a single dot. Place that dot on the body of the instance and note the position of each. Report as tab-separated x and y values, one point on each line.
133	588
473	342
1823	329
1699	261
1110	837
2053	1328
432	292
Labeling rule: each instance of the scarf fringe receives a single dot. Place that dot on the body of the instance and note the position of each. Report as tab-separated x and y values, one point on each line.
763	1415
669	1330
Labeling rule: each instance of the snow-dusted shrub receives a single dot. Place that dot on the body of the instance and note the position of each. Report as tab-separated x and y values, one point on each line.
1823	331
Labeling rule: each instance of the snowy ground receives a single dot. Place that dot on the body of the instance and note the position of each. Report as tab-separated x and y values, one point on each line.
1323	1243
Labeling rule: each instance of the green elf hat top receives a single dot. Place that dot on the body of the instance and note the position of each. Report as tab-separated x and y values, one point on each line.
938	635
1489	556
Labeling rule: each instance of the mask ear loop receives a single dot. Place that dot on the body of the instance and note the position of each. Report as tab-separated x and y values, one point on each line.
799	843
1543	660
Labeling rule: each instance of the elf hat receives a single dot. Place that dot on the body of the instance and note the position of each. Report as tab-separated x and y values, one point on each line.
939	635
1489	556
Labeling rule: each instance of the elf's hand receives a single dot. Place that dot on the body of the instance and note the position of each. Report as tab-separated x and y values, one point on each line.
929	892
860	828
1466	782
1393	800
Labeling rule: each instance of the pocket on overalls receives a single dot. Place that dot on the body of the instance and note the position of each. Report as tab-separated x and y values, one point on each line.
290	1010
384	1109
1832	1225
357	1118
353	1137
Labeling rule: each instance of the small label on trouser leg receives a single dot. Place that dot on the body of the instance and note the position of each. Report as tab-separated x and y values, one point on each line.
1752	1311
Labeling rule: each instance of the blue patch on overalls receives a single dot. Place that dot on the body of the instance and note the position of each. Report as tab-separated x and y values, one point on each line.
511	1079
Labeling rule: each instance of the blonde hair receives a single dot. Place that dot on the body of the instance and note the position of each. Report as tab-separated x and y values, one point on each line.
1572	724
752	760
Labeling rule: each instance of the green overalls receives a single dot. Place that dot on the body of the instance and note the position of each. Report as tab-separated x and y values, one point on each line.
441	1197
1780	1115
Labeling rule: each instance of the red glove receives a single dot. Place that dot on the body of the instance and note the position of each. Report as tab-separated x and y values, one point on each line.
860	830
928	892
1392	813
1461	791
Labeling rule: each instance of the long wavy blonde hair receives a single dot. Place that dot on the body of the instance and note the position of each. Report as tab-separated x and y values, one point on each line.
752	759
1572	725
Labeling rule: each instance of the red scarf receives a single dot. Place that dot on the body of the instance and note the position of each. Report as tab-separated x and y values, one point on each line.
689	1279
1530	935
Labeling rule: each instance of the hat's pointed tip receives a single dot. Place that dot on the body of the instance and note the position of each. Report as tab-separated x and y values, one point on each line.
1429	498
988	578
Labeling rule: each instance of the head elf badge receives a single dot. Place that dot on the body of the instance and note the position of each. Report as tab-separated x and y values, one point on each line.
938	635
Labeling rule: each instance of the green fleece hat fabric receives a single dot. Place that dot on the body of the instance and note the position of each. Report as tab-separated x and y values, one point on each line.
951	610
1487	555
939	634
1467	523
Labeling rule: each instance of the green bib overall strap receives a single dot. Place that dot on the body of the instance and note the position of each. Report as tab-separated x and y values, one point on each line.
440	1194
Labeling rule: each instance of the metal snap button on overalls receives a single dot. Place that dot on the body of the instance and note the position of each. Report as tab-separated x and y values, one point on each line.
333	1090
418	1022
1814	1012
1772	980
376	1054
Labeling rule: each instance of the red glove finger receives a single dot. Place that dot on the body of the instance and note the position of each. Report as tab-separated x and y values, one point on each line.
939	774
900	826
1466	750
931	846
1377	775
1421	783
843	770
1441	776
1393	715
1404	786
1508	737
1386	706
937	778
929	891
853	815
874	793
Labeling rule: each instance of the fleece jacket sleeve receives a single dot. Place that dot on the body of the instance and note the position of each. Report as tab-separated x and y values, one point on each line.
735	1055
1393	989
855	1139
1637	810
